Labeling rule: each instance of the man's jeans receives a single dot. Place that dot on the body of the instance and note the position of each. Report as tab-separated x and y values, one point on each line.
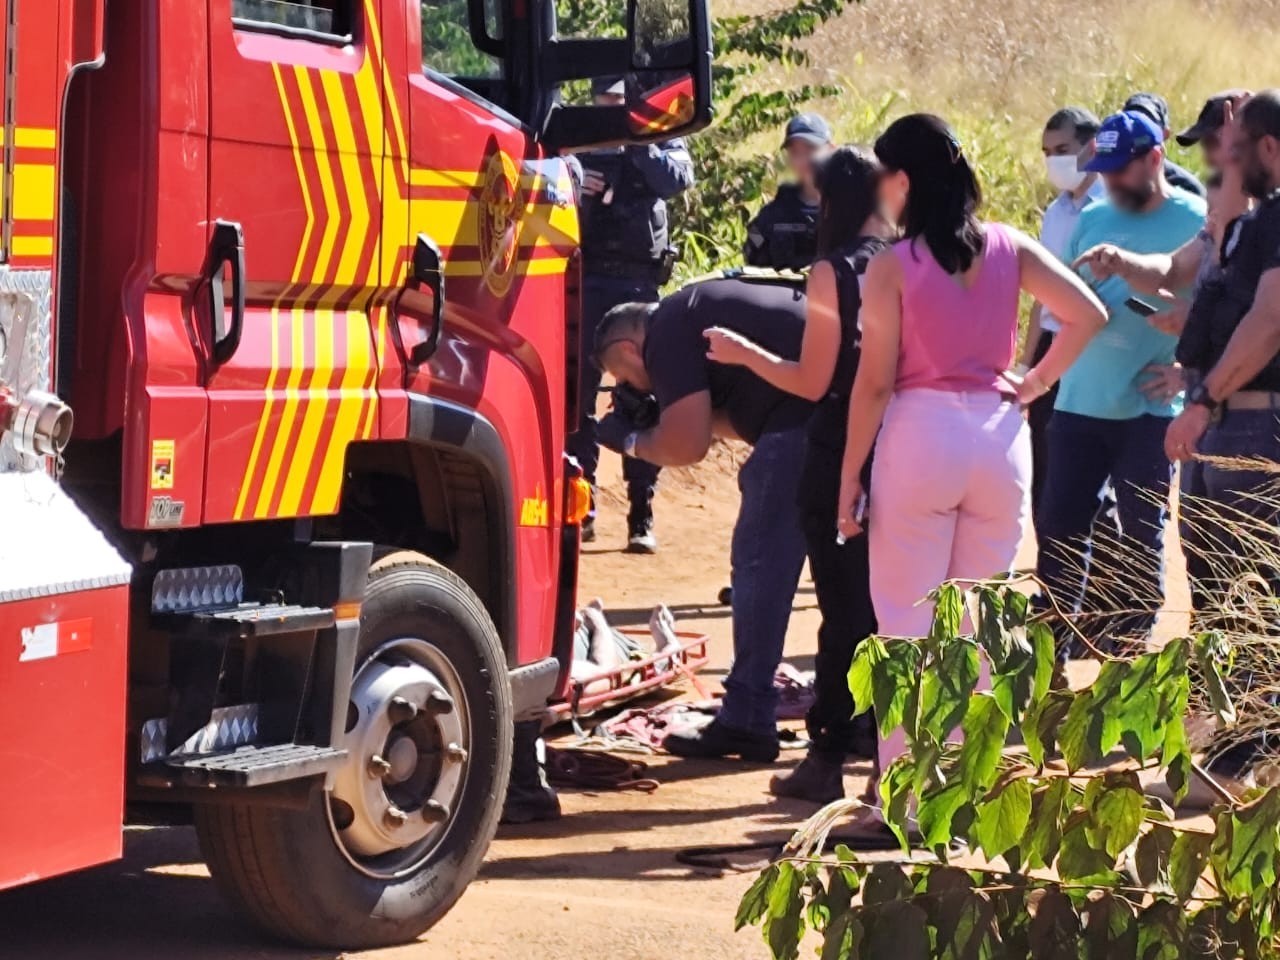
1127	590
767	555
1241	504
600	294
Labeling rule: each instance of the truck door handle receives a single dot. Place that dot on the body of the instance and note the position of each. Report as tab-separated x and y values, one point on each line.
226	251
428	272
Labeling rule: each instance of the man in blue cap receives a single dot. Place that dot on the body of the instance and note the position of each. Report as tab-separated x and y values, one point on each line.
784	234
1113	405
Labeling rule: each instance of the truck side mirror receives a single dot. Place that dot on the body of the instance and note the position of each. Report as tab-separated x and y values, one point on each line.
668	85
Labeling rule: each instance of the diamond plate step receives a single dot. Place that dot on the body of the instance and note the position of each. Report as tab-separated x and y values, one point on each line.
264	620
249	766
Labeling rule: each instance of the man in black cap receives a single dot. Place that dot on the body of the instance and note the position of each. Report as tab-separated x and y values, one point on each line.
1155	108
626	256
784	234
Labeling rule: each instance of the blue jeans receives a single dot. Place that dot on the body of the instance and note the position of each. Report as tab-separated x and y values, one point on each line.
600	294
1237	516
1128	587
767	555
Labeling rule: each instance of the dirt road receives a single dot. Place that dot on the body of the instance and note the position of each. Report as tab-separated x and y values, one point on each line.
601	882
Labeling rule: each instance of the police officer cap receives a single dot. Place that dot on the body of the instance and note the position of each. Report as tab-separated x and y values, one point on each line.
808	127
609	85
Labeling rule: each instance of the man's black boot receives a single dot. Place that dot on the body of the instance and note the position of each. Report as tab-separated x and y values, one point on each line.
529	797
716	740
819	779
640	538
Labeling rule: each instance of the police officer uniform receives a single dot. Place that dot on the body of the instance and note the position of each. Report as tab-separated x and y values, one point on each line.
626	257
784	234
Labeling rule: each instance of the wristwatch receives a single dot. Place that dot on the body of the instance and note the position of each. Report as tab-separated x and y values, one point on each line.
629	444
1200	396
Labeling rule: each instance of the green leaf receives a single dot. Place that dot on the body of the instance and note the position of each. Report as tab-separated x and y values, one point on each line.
843	938
946	687
1162	932
1245	847
1044	829
884	675
1151	859
1003	818
1213	658
1188	858
1116	810
870	651
898	929
1135	709
1079	858
948	613
1111	931
1055	926
1175	756
783	927
756	900
985	729
895	792
1043	650
1041	722
936	812
883	883
964	920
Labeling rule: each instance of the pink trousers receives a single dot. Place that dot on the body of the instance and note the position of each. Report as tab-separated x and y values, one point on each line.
950	499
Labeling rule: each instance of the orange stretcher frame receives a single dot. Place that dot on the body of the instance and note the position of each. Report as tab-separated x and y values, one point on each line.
637	677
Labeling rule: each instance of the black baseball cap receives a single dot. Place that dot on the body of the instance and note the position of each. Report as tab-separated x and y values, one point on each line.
604	85
808	127
1212	116
1152	106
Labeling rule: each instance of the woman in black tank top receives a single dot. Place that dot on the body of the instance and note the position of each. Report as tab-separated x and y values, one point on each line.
850	232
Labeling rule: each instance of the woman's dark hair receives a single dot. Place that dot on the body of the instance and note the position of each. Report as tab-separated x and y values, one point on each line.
944	195
849	179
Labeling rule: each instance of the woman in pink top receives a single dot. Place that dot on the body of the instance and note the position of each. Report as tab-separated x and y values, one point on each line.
950	482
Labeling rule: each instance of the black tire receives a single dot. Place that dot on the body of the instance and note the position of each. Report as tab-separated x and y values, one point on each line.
284	868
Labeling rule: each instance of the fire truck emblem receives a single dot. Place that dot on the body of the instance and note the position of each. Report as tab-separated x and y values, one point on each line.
499	234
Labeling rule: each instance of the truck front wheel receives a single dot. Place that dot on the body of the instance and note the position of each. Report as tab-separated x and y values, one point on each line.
384	854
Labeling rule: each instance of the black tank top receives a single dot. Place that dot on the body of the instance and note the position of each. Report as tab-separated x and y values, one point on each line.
829	421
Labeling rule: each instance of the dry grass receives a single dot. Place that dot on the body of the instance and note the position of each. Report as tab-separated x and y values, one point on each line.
997	70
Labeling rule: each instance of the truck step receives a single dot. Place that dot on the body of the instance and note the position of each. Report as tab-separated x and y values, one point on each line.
247	766
263	620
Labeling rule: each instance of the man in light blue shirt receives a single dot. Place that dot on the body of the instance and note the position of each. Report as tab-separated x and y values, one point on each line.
1104	426
1065	137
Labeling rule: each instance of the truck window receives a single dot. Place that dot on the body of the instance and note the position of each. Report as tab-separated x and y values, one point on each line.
448	49
323	19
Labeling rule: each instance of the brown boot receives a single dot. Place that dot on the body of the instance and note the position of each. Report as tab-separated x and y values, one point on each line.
819	779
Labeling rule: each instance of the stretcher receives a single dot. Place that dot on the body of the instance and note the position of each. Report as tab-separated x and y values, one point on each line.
636	677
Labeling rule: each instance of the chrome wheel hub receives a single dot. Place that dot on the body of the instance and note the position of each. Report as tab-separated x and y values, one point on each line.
407	743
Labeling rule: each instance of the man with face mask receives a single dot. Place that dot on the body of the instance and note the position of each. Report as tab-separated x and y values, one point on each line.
1105	426
1066	135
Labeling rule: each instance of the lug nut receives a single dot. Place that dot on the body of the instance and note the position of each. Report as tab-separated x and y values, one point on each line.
378	767
439	702
433	811
395	818
456	753
401	710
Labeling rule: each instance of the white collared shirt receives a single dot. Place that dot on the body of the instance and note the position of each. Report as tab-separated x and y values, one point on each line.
1056	228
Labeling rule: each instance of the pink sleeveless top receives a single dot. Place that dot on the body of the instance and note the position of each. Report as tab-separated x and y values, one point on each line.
958	339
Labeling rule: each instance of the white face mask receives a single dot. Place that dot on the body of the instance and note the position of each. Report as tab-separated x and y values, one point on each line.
1063	173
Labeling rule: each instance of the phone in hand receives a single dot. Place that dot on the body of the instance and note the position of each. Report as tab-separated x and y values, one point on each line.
1141	307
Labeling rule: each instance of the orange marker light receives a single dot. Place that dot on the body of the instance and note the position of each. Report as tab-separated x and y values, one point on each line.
577	497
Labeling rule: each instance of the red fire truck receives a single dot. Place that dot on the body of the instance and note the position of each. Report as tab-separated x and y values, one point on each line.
306	273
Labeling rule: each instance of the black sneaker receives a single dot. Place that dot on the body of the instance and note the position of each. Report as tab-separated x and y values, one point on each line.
589	530
819	779
716	740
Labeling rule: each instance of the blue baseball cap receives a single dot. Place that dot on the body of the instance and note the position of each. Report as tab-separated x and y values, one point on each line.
808	127
1123	137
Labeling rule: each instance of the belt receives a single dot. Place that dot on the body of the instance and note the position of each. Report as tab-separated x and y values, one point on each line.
1253	400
